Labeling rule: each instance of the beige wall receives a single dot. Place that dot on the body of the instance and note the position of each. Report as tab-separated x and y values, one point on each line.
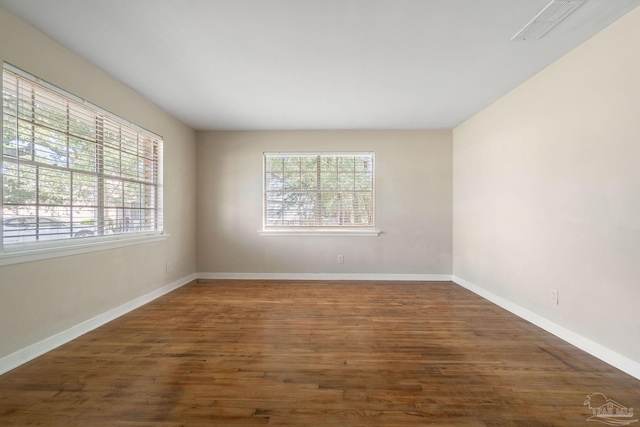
413	205
39	299
547	191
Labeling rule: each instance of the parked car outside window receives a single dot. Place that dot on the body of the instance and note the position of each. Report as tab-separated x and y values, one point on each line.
25	229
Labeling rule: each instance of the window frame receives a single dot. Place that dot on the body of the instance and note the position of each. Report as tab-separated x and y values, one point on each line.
318	230
11	253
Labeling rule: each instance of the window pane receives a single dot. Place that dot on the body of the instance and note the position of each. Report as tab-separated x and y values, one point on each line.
25	141
329	163
329	181
111	159
309	181
363	164
129	164
291	164
49	110
274	164
49	147
274	181
291	181
150	200
85	190
309	163
113	193
19	184
82	123
82	154
345	164
54	187
85	221
363	181
116	220
52	227
329	209
346	181
132	194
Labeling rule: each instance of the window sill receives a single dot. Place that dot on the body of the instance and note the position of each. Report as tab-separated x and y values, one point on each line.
320	233
37	253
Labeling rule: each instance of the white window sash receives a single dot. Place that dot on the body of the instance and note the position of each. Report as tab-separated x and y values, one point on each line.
297	201
106	172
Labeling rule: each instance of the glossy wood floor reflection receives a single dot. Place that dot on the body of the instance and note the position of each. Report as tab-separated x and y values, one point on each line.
313	354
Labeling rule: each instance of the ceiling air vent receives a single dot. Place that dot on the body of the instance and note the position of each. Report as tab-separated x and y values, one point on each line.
549	17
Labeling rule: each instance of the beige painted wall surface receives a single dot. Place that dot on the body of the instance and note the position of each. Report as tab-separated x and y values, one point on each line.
547	191
413	205
39	299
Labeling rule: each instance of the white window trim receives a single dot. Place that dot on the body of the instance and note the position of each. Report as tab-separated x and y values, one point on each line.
320	233
36	251
42	251
317	231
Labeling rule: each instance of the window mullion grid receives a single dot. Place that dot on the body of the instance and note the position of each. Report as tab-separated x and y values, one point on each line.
149	171
142	213
318	208
353	192
99	165
18	158
346	206
282	210
337	190
122	199
71	178
265	181
33	153
299	188
156	188
33	121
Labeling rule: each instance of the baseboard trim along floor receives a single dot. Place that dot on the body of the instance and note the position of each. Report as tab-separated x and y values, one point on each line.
607	355
326	276
603	353
29	353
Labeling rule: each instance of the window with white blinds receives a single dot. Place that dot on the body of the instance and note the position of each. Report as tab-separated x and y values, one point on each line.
71	170
318	191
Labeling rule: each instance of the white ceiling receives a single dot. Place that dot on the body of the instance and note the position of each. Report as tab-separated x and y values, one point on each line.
315	64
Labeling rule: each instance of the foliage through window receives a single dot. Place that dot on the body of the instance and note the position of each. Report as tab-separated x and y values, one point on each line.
318	190
70	169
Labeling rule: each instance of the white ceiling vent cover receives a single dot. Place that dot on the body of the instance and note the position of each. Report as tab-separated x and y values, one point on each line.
549	17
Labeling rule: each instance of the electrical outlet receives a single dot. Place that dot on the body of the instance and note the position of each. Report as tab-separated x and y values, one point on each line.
168	267
554	296
340	259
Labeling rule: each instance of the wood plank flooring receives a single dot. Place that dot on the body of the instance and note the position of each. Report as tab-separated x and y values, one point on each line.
313	354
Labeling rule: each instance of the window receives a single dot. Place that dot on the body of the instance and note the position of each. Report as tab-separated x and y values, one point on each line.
318	191
71	170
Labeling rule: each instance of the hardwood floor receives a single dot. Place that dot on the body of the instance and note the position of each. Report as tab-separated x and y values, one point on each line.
313	354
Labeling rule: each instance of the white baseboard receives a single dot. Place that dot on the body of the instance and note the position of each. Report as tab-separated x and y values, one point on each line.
605	354
611	357
26	354
326	276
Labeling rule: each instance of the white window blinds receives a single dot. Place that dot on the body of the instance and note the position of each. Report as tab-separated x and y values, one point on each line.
70	169
318	190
